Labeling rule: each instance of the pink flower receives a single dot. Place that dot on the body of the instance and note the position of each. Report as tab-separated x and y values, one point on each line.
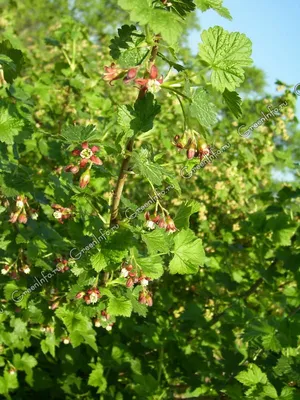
61	213
112	73
92	296
14	217
171	228
87	155
22	218
151	84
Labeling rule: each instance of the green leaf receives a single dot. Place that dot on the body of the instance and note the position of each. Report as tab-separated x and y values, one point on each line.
157	241
26	363
189	253
226	53
201	109
287	393
182	218
127	47
79	327
11	380
11	60
270	391
140	118
216	5
119	306
183	7
252	376
151	266
147	168
161	21
97	379
48	345
283	237
98	262
9	126
270	342
233	101
79	134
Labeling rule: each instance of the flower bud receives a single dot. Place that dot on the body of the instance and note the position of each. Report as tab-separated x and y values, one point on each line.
149	300
191	151
55	305
80	295
142	298
131	74
85	179
97	323
153	72
129	283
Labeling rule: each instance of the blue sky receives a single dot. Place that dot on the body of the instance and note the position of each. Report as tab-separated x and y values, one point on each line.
273	27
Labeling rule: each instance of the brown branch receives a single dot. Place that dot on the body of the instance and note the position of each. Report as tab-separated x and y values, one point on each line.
125	163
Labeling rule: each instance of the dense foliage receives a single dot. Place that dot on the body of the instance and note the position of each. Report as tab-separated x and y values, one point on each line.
149	245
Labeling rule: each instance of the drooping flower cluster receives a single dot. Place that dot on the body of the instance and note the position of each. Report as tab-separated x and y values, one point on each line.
61	213
62	264
91	296
150	82
22	211
103	321
14	269
163	222
88	158
133	275
47	329
145	297
195	146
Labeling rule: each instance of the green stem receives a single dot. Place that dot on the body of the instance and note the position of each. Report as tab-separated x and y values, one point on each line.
157	201
183	112
73	55
176	91
67	58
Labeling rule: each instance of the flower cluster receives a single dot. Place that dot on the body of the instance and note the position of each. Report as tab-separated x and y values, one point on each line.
150	82
145	297
194	145
88	158
133	275
22	210
61	213
91	296
62	264
104	321
13	270
47	329
163	222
